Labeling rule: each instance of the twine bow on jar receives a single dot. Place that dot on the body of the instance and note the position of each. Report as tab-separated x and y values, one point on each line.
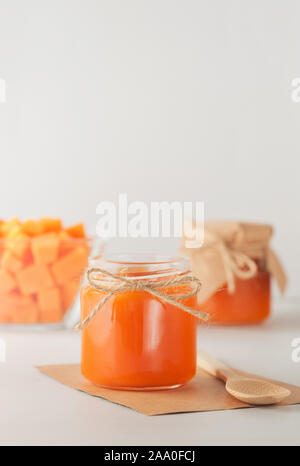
236	264
120	284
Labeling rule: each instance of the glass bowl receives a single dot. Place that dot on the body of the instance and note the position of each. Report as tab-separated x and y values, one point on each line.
40	278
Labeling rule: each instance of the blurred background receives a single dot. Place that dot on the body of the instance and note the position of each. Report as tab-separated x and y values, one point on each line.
163	100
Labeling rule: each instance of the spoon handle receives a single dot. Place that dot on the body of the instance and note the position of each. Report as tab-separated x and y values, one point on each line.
214	367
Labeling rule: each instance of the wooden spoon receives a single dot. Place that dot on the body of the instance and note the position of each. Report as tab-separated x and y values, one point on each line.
246	389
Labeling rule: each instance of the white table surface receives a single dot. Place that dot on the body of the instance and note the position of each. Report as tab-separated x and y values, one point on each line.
35	410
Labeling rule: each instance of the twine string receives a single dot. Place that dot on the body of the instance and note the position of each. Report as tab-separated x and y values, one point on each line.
236	264
120	284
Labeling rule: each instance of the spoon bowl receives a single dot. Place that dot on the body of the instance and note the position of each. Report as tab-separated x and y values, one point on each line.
255	391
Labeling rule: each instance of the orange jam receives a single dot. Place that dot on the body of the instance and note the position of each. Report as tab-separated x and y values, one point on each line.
249	304
137	341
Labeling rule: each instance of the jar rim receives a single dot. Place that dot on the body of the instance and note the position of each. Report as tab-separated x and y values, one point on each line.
141	266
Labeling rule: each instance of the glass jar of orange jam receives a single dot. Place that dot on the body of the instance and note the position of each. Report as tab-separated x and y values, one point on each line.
137	341
249	304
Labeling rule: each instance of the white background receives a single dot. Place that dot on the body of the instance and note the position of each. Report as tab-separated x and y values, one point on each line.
160	99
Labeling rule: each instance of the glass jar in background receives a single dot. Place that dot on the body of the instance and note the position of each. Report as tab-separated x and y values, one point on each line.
137	341
249	304
236	264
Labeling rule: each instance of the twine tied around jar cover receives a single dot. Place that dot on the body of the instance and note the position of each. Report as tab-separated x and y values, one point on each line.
120	284
236	264
231	250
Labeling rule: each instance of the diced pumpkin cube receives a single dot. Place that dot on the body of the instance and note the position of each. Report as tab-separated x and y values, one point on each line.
17	242
15	231
18	309
28	259
5	318
50	302
66	243
1	251
33	227
34	278
45	248
51	317
8	304
7	227
64	236
7	282
51	224
69	292
76	231
26	311
10	262
50	306
70	266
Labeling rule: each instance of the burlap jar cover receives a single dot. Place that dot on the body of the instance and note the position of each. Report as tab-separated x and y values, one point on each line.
231	250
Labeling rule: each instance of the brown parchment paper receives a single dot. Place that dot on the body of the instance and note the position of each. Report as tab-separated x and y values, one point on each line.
203	393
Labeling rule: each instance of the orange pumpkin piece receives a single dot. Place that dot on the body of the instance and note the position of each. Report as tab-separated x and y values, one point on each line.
45	248
18	309
5	318
76	231
1	251
51	317
7	307
71	265
6	227
25	310
34	278
69	293
7	282
28	259
51	225
10	262
66	243
17	242
50	305
33	228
